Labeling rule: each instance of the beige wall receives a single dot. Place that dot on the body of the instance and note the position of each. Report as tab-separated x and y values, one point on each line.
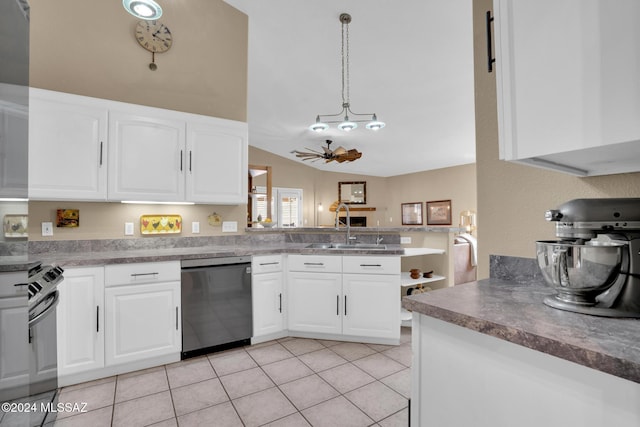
512	198
457	184
88	48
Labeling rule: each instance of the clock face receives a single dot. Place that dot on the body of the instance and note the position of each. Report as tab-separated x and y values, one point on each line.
153	36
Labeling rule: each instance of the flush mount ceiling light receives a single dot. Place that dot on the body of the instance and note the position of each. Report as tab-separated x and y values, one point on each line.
351	119
143	9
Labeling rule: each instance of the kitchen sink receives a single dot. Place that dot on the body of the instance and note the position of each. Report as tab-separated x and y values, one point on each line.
343	246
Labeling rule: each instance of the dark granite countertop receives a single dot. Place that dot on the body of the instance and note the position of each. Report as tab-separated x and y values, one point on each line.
128	256
514	312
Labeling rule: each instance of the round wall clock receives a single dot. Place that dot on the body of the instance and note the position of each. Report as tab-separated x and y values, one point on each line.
155	37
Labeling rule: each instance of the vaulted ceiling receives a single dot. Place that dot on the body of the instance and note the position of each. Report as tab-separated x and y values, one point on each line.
411	62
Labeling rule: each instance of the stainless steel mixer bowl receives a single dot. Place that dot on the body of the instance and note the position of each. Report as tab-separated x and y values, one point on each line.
579	272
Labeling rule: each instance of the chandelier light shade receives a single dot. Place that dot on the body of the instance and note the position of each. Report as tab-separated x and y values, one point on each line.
347	120
143	9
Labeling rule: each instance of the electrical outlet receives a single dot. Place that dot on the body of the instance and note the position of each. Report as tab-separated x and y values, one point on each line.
128	229
229	226
405	240
47	229
195	227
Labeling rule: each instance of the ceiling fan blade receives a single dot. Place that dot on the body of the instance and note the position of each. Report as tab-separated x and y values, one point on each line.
340	150
349	156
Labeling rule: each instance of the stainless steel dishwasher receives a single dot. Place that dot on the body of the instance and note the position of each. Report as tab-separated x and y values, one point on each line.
216	304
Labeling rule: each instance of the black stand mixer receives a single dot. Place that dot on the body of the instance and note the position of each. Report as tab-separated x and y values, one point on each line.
595	268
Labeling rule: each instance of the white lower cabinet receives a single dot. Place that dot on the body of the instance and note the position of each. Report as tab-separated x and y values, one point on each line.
371	305
349	297
117	319
142	321
268	299
14	339
80	321
315	302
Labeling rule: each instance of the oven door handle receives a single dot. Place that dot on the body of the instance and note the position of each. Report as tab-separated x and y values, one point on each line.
52	301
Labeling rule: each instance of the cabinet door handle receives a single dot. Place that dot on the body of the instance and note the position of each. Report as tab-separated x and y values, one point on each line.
189	160
101	143
176	318
370	265
314	264
490	58
280	298
97	318
337	305
270	263
345	305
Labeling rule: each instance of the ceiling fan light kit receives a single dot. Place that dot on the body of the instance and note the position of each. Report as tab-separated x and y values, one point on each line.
143	9
348	123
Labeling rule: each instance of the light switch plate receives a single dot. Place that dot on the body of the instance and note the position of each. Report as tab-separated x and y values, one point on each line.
47	229
128	229
229	226
405	240
195	227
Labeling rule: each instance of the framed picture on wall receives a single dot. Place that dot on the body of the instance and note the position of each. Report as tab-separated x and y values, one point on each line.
412	213
439	212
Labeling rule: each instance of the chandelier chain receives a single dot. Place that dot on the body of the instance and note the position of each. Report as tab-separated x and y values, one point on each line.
349	118
345	63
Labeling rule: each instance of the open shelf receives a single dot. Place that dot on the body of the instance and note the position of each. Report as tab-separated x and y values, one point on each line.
422	251
405	317
406	280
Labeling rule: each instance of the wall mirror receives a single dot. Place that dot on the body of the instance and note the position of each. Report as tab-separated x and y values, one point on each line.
354	193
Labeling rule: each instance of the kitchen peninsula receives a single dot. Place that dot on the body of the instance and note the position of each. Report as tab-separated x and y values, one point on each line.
493	349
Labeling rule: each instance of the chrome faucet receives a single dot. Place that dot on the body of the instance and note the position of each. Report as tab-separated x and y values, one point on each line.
348	223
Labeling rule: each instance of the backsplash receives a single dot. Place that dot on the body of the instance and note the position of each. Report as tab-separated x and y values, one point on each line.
154	242
515	269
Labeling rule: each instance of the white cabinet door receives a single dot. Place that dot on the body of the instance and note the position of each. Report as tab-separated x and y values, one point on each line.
80	320
14	147
14	342
268	303
142	321
146	157
67	147
371	306
568	87
315	302
216	162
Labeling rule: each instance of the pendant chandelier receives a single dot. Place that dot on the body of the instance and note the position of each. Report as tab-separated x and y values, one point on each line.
350	119
143	9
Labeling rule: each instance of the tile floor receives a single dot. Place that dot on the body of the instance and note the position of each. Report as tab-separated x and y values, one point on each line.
286	382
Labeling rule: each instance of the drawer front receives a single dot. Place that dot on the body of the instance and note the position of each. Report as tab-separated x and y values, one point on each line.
371	264
7	282
145	272
315	263
266	264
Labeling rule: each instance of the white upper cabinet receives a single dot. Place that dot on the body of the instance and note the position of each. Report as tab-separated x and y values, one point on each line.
146	157
13	148
84	148
67	147
568	83
221	143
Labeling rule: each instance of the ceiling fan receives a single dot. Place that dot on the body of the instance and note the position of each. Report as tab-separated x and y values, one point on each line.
340	154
